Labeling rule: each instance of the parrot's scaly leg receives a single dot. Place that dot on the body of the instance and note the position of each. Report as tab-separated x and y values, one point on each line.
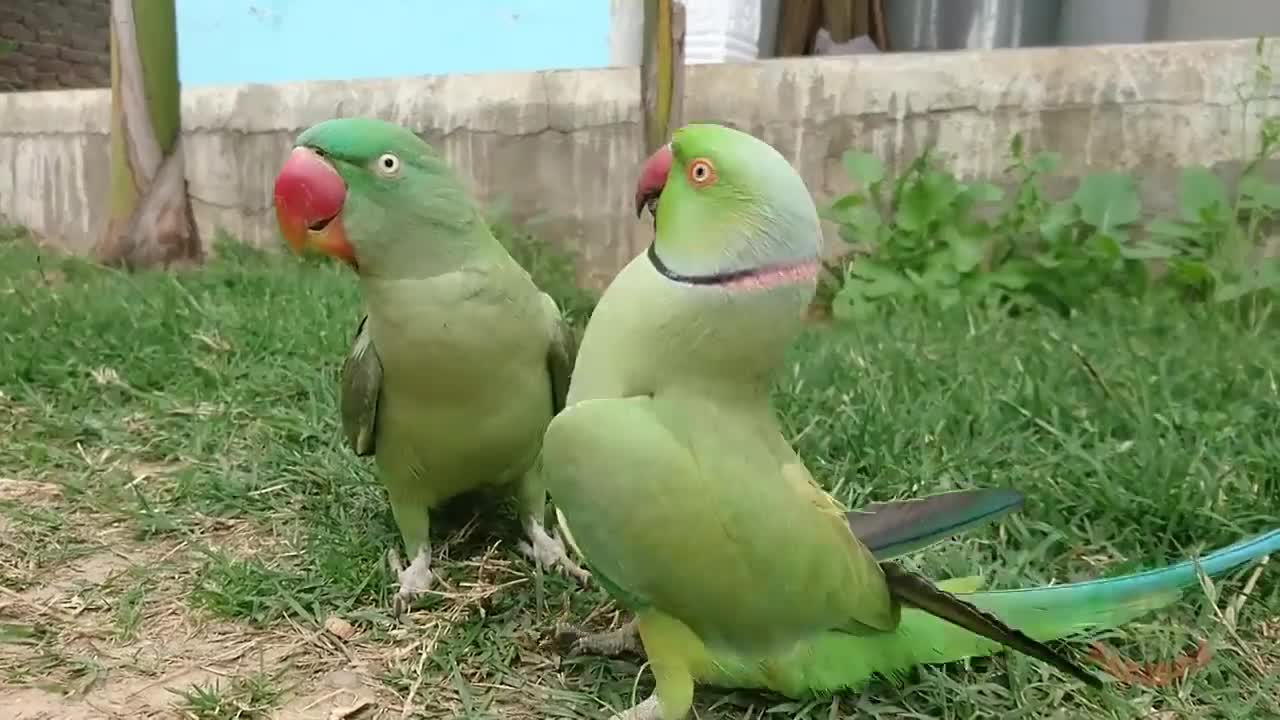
546	549
414	580
412	512
667	642
610	643
417	578
549	551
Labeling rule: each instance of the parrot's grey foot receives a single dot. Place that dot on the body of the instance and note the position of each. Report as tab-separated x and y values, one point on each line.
414	580
549	551
612	643
647	710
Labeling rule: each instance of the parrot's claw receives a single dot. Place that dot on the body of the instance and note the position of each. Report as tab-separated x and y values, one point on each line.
647	710
414	580
548	550
612	643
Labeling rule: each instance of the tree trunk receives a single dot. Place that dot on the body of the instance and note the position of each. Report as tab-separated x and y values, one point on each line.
662	71
150	221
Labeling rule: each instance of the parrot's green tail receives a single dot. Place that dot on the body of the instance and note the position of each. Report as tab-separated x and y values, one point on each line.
838	661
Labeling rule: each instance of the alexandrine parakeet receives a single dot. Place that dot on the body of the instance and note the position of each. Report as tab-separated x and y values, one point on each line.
460	360
673	478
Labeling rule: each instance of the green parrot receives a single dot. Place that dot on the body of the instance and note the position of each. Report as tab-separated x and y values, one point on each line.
672	477
460	360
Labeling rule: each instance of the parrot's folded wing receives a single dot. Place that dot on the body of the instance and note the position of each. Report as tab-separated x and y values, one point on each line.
561	354
894	528
361	387
691	523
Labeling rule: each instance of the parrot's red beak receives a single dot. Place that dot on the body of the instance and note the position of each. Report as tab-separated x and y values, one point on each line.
653	177
309	195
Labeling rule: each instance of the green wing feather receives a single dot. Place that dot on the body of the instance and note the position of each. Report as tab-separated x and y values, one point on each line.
361	387
561	355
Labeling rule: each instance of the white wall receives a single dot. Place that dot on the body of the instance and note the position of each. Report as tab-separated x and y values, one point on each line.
715	30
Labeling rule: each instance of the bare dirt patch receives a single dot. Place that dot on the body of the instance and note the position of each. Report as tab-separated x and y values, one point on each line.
104	627
106	634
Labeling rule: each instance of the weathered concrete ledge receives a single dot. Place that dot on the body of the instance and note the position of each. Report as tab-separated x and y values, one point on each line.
562	147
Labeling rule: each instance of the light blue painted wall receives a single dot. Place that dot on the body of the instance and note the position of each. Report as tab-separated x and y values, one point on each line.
223	42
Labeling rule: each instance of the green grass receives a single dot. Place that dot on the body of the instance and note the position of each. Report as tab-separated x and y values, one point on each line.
193	416
249	697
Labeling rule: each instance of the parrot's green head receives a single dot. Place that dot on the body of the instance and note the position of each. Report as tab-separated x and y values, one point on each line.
374	195
728	210
735	256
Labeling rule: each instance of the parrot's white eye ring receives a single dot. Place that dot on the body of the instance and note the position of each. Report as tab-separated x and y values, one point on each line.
388	165
701	172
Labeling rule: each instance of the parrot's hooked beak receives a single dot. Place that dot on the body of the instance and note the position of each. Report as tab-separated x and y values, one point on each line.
653	177
309	195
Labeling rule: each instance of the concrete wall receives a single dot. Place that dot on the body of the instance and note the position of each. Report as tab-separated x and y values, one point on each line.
53	44
563	147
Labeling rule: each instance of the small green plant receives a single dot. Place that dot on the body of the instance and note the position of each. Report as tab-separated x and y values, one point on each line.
945	242
128	612
926	241
13	233
243	698
1081	245
932	238
1217	240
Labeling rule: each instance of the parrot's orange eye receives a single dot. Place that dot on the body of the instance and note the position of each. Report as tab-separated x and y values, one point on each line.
701	172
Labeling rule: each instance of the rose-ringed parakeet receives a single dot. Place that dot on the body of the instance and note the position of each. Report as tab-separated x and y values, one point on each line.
460	360
673	478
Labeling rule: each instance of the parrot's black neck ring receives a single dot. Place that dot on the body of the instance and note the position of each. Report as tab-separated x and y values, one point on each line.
757	277
720	278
